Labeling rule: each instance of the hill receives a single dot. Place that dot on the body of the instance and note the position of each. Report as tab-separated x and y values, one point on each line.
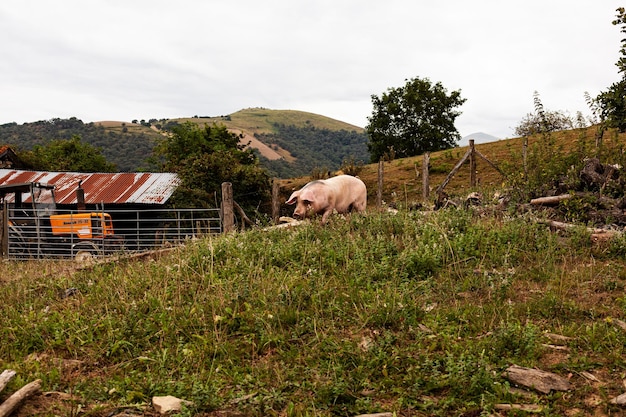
411	313
289	143
293	143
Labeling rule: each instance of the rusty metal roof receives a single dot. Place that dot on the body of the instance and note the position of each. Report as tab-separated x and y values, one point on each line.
101	188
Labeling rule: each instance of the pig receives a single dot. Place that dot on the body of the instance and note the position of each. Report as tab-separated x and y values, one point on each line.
343	193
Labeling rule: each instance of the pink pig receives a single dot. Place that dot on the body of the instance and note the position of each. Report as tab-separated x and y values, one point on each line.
343	193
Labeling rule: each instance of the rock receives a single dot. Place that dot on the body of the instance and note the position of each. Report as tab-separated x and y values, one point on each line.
168	404
619	400
537	379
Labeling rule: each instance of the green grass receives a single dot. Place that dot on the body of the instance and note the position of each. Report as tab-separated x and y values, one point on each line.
416	313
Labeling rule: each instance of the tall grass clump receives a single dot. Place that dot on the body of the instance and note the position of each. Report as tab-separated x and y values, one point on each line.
417	313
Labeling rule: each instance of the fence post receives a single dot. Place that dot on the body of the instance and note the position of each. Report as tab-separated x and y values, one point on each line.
425	176
275	202
524	156
5	230
472	162
228	212
379	193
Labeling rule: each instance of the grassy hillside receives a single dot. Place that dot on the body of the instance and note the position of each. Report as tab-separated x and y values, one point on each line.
403	180
419	314
293	143
261	120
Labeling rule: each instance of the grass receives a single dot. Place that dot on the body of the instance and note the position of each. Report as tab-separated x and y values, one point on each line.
415	313
261	120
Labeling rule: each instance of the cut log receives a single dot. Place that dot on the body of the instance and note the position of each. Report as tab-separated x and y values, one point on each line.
18	397
550	201
529	408
537	379
5	377
597	234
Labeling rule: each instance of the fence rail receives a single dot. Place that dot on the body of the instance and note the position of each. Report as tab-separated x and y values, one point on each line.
32	237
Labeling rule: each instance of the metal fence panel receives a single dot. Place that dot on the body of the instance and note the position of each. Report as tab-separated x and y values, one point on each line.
134	230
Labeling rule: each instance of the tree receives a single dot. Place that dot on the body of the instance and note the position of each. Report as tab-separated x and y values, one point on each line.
413	119
65	155
204	158
613	101
543	121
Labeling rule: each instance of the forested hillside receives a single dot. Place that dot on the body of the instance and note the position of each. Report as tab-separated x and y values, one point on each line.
127	148
310	141
313	148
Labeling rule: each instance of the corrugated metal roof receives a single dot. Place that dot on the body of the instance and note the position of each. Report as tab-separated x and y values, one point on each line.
115	188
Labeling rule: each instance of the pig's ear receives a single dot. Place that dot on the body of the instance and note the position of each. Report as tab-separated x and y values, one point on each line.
293	198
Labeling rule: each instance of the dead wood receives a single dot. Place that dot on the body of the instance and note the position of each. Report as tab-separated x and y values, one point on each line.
597	234
5	377
529	408
537	379
620	323
243	214
550	201
18	397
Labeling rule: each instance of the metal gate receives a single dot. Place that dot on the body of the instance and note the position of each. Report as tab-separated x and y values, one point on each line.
134	231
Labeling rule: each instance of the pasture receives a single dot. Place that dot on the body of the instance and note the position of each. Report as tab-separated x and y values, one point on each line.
418	314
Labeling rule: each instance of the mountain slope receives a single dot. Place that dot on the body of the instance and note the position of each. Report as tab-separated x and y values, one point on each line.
289	142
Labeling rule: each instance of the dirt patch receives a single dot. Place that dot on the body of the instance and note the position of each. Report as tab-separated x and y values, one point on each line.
265	150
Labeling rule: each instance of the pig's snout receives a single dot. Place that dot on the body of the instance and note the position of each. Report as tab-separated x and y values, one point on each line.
303	210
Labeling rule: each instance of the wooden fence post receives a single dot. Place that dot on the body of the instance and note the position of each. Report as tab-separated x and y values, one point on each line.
228	212
425	176
275	201
379	193
524	155
5	230
472	162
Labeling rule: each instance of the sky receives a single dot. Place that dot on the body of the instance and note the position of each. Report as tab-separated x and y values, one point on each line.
152	59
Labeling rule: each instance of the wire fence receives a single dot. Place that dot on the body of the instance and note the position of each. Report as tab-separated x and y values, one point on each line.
74	234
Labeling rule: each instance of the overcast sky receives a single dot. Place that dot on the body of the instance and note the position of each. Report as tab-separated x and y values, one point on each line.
142	59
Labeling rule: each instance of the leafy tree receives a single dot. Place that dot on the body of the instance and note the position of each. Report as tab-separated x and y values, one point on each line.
413	119
67	155
543	121
204	158
613	101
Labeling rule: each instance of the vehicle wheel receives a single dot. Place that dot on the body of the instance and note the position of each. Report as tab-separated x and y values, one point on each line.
85	252
84	256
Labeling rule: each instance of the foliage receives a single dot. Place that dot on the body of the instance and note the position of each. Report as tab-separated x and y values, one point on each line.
313	148
128	150
204	158
547	163
67	155
543	121
613	101
613	104
412	313
413	119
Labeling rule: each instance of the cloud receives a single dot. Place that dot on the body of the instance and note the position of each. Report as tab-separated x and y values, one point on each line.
113	59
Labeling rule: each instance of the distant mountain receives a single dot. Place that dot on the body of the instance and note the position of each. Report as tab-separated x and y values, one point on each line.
479	137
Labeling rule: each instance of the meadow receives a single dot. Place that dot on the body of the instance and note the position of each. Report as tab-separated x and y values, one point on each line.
412	312
417	313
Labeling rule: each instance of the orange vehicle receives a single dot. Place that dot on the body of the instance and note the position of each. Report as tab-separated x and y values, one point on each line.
83	225
32	228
